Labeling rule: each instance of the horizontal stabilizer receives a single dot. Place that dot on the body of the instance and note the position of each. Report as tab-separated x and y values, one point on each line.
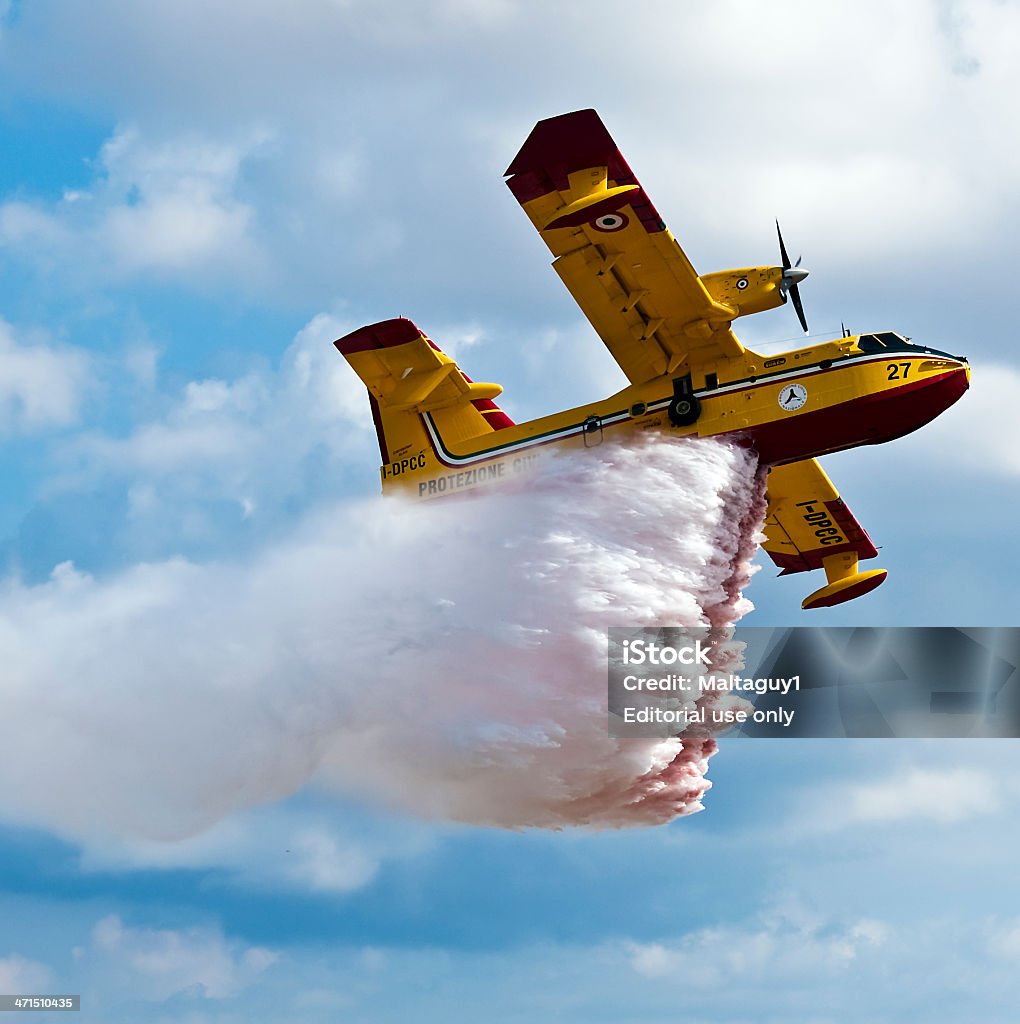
410	379
404	371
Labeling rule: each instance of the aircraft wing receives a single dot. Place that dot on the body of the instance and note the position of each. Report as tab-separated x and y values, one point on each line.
613	251
809	526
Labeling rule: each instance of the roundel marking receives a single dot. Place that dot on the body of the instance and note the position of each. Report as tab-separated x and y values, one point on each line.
610	222
792	397
742	283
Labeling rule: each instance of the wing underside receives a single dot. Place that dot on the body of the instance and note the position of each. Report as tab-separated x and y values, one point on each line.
613	251
809	526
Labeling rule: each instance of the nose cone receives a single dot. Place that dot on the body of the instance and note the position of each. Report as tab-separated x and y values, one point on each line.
794	275
931	387
944	389
954	383
964	375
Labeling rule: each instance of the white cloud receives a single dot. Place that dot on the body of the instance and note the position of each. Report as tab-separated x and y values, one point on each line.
456	339
18	974
874	168
773	964
281	848
167	208
238	425
22	224
979	433
315	378
1004	940
909	795
186	442
780	948
41	386
786	941
178	212
247	441
159	963
325	863
256	444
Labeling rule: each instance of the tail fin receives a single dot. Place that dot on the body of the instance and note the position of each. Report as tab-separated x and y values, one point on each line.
409	378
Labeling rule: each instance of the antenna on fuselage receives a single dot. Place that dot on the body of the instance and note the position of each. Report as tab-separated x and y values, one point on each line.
845	329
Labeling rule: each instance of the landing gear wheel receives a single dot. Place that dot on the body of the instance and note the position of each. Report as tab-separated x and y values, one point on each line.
684	410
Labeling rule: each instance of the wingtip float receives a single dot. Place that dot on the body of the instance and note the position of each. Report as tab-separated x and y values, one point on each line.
670	330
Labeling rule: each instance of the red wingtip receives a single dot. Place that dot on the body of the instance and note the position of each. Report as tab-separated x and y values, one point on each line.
568	142
558	146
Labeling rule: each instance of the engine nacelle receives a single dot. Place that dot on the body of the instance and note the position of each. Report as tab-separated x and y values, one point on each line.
747	289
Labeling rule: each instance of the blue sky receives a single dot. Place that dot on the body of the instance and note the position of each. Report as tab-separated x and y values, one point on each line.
194	203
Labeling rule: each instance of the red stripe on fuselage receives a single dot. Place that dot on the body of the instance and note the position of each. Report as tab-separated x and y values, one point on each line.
870	419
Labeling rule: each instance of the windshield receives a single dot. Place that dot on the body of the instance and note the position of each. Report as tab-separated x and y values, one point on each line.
880	342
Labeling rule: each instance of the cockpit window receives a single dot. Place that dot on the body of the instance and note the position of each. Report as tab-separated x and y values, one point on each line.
880	342
893	340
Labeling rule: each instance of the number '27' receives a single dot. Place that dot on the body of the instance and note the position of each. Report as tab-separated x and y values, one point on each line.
898	371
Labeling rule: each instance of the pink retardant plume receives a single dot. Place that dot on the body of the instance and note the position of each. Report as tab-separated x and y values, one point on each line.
445	659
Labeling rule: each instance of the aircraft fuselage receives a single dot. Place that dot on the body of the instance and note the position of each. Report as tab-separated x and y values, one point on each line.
791	406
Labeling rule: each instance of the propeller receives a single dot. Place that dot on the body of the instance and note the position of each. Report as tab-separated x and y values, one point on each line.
792	275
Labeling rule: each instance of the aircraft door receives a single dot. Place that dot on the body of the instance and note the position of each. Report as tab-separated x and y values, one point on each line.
592	431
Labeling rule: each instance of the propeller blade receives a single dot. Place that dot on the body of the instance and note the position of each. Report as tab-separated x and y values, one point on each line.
792	274
782	248
795	295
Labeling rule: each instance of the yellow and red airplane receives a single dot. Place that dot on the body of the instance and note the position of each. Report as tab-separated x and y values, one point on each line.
670	330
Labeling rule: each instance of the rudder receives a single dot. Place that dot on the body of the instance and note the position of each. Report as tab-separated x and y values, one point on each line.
408	378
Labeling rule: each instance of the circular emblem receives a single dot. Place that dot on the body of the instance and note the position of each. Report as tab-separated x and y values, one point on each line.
609	222
742	283
792	397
